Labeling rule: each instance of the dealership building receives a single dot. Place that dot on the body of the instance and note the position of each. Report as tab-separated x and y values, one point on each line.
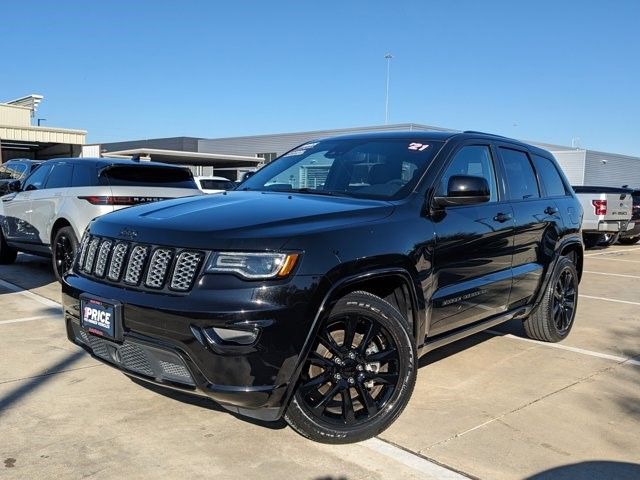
232	156
19	138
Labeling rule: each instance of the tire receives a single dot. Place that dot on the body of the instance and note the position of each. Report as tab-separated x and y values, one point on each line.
361	386
63	249
7	254
629	240
554	317
591	240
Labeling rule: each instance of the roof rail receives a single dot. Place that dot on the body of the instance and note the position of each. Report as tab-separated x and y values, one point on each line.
484	133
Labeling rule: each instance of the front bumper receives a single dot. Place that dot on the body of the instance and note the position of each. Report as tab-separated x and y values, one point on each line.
163	339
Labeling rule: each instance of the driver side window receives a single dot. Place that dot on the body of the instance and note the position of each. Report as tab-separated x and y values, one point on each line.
35	181
472	160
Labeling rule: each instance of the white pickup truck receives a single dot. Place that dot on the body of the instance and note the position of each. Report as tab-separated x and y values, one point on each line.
607	213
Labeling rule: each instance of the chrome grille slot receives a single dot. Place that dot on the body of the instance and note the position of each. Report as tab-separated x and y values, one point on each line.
143	266
83	249
187	265
136	264
117	260
158	266
103	254
91	254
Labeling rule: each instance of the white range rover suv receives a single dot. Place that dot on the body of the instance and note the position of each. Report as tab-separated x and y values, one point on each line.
46	213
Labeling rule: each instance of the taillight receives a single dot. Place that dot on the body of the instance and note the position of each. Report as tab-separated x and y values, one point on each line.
600	206
110	200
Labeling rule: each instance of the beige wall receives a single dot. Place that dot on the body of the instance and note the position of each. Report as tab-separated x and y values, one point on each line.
15	116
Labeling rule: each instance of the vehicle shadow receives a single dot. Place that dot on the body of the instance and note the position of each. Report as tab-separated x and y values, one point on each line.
29	272
604	469
205	402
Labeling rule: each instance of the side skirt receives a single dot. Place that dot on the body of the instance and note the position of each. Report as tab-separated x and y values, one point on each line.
458	334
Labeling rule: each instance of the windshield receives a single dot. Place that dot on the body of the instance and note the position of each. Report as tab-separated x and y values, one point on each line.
12	171
362	168
148	176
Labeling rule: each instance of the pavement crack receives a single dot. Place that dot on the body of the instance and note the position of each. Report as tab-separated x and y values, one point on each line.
49	374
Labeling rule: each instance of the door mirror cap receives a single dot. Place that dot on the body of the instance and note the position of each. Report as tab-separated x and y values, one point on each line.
465	190
14	186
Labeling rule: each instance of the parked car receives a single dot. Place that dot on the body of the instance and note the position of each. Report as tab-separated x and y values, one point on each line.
287	298
607	213
632	234
16	169
48	211
214	184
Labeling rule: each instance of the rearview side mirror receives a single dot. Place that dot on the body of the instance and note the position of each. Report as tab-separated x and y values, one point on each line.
464	190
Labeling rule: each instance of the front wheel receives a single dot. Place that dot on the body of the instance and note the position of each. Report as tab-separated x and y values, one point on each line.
359	375
553	318
64	248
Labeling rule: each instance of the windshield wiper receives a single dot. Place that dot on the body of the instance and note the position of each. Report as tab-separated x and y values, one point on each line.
314	191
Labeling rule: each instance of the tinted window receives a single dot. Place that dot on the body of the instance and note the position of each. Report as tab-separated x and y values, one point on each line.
520	176
473	160
216	184
36	179
551	179
12	171
60	176
363	168
84	175
148	176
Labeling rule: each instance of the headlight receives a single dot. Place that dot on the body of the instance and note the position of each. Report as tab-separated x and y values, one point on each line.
253	266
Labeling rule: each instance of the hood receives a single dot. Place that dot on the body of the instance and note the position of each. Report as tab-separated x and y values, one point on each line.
256	220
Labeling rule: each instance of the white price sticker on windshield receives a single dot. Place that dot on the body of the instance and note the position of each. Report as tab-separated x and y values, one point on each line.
418	147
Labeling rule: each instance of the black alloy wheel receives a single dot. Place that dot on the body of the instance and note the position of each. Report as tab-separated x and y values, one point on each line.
353	371
554	315
359	375
564	301
65	246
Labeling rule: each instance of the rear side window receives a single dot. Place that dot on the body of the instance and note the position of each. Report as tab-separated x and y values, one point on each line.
519	173
148	176
60	176
551	179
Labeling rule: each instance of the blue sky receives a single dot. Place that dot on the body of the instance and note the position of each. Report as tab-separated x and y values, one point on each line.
539	70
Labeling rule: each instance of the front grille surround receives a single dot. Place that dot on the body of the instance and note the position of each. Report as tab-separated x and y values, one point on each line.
139	266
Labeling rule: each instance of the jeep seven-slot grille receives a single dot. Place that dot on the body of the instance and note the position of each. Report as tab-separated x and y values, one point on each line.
143	266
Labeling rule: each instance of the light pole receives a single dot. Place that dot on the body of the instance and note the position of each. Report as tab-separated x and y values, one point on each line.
388	58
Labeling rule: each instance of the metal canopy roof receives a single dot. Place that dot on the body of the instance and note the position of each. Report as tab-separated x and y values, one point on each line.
219	160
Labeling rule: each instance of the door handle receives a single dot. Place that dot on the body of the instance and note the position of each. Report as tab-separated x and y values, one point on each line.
503	217
551	210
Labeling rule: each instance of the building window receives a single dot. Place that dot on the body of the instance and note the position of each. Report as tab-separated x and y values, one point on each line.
267	156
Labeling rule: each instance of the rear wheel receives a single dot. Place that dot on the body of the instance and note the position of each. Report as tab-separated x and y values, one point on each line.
359	375
64	248
629	240
7	254
553	319
591	239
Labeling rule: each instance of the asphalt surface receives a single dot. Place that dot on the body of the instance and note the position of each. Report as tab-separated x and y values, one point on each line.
493	406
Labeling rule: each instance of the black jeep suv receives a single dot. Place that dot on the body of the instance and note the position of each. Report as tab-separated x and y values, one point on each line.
311	290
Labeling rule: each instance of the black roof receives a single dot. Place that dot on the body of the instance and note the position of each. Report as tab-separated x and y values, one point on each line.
108	161
439	136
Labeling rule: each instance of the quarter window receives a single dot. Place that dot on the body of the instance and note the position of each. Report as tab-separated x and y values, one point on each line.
551	179
520	176
472	160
